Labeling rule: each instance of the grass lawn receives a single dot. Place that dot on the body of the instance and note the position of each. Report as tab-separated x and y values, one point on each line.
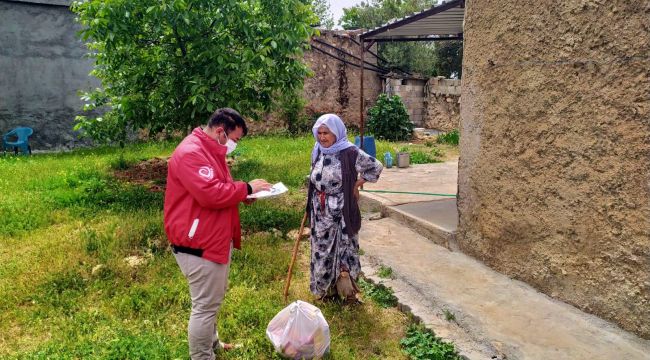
68	229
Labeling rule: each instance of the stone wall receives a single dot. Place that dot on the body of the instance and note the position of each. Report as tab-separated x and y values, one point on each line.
442	104
335	86
554	174
42	68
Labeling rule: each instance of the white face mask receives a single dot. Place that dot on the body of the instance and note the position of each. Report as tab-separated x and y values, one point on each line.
230	144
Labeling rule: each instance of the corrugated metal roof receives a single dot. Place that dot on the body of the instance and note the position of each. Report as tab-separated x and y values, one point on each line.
438	22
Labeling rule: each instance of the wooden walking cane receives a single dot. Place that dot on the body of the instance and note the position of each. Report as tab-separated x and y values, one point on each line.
293	257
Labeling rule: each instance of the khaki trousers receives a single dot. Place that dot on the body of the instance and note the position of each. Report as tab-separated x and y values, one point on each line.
208	282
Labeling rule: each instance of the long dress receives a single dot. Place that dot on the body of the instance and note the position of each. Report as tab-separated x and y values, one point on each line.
332	250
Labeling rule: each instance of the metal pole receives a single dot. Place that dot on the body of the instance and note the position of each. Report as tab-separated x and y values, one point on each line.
361	124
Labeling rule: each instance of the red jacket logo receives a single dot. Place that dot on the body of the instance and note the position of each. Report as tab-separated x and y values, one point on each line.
206	172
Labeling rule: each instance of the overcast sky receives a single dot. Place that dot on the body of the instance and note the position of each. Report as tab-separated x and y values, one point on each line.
336	6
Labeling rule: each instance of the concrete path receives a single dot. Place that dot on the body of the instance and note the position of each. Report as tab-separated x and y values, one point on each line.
497	317
431	178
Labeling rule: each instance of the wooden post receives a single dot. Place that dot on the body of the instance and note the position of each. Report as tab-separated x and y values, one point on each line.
293	257
361	123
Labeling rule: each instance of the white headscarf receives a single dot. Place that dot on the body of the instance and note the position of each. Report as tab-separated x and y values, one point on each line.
336	127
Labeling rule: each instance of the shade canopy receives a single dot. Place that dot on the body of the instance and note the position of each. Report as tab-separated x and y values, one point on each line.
442	22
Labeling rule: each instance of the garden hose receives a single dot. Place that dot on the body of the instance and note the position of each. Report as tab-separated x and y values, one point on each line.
408	192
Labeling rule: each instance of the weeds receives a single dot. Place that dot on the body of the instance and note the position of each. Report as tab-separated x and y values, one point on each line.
451	138
422	344
449	316
379	293
385	272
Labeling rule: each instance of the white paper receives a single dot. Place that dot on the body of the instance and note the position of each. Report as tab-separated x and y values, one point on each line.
276	190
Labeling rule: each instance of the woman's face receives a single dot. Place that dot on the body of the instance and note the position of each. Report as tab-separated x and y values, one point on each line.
325	137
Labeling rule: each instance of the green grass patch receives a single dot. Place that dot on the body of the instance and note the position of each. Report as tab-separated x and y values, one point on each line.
68	292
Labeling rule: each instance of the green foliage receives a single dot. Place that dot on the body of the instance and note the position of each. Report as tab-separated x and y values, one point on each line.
168	65
422	344
449	59
292	108
452	138
373	13
443	58
322	10
414	57
419	157
389	120
385	272
379	293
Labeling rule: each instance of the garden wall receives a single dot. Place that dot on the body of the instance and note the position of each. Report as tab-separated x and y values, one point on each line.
431	104
554	173
42	66
442	104
335	86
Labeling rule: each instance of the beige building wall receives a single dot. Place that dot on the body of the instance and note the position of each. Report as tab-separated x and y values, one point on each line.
554	174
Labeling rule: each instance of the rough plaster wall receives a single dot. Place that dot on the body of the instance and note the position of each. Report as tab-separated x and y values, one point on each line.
335	86
554	175
442	104
42	67
442	112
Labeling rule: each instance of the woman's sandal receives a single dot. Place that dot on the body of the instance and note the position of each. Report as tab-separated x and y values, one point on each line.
352	301
228	347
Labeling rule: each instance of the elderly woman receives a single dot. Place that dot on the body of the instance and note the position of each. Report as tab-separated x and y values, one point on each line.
333	209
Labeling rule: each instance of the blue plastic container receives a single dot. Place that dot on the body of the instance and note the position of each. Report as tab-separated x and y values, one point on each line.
388	160
368	145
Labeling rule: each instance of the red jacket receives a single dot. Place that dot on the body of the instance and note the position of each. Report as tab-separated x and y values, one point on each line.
201	200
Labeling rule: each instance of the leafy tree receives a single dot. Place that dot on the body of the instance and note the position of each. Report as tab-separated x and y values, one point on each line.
426	58
373	13
449	58
167	64
322	10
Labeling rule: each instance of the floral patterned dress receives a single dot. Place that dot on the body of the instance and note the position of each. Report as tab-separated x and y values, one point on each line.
332	250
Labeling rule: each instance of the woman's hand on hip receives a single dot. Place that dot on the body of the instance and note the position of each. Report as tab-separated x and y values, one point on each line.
358	185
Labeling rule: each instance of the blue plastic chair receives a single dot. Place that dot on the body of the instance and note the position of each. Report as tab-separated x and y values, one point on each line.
21	134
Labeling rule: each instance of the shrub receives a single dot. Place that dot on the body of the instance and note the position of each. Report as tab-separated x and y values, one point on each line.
389	120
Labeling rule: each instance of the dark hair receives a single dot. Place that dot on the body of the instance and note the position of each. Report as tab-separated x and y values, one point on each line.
229	119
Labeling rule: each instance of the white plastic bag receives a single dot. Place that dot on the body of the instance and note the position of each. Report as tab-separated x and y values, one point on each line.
299	331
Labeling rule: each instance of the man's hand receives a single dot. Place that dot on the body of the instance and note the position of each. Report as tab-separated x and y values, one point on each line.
249	201
357	185
259	185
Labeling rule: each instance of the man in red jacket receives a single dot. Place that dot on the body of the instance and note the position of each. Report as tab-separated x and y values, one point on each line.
202	220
